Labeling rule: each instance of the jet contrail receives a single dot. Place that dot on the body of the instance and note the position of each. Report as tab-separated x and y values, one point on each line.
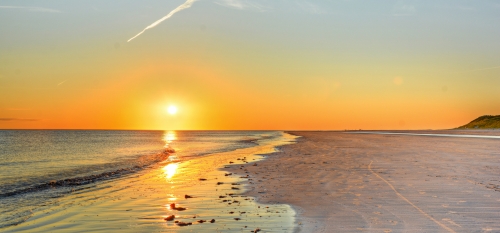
62	82
185	5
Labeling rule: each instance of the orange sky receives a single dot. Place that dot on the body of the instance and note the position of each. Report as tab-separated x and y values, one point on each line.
227	67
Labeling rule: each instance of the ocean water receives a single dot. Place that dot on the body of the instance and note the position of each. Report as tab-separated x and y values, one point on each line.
39	166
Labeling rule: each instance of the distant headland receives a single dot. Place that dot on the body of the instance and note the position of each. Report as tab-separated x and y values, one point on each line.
483	122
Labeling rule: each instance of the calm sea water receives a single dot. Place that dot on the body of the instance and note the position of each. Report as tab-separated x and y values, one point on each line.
37	166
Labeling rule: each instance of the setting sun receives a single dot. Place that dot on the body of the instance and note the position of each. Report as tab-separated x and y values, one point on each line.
186	114
172	110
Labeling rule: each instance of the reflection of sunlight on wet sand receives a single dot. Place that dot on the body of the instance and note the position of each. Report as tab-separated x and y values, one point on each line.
170	170
143	201
200	191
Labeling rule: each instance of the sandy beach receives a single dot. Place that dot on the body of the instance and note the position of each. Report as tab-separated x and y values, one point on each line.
325	182
342	182
190	195
292	116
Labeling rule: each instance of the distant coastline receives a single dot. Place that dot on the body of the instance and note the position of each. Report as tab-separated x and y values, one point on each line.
483	122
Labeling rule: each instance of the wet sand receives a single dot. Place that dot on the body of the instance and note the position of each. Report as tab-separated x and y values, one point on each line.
340	182
142	202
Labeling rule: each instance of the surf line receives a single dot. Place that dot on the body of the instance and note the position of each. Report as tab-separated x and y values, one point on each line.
409	202
431	135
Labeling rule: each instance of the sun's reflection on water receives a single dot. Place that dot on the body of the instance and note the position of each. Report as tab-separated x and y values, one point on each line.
169	137
170	170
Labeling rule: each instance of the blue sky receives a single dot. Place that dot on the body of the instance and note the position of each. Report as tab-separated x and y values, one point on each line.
430	64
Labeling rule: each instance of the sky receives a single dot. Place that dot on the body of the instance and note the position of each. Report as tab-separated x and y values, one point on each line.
248	65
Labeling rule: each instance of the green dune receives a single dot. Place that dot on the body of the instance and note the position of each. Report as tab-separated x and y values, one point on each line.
483	122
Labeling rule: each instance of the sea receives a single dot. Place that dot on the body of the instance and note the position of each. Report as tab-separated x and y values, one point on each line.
39	167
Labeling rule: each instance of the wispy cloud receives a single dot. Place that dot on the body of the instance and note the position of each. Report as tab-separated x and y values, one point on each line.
18	119
31	8
310	7
185	5
243	4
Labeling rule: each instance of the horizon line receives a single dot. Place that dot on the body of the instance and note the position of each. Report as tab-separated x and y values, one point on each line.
356	130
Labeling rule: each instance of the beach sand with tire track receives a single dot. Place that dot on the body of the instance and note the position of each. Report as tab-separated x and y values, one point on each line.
348	182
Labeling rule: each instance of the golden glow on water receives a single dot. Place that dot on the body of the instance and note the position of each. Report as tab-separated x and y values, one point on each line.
169	136
154	191
170	170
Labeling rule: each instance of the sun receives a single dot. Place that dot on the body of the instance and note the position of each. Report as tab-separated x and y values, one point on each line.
172	109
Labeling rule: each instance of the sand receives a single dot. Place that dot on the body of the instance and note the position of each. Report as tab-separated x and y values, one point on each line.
141	202
340	182
326	182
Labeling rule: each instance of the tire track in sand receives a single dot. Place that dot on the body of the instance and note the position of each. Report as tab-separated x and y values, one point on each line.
409	202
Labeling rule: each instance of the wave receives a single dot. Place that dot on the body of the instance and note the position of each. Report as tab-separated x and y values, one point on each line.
138	164
26	191
88	174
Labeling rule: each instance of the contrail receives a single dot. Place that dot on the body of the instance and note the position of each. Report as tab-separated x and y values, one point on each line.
62	82
185	5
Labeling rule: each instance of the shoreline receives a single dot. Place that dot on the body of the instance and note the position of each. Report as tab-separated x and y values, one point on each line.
142	202
324	182
338	182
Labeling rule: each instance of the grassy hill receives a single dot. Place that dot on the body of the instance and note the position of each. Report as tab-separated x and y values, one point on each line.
483	122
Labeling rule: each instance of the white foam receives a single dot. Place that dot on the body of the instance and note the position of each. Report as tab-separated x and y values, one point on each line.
431	135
